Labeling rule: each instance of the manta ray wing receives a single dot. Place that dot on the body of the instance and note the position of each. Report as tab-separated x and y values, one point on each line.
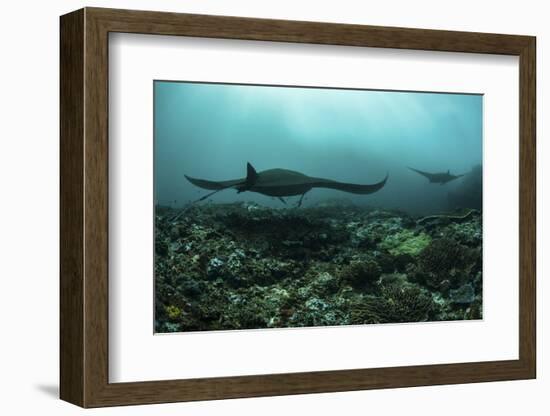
214	185
428	175
349	187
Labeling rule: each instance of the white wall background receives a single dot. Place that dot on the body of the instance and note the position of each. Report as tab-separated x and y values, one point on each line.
29	211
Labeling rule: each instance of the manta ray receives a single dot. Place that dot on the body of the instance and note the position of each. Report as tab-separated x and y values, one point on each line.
441	177
281	183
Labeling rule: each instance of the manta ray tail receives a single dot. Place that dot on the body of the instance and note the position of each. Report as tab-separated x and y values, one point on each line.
216	186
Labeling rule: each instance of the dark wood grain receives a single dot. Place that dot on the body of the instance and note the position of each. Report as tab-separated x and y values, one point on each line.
84	207
162	23
527	208
96	219
71	100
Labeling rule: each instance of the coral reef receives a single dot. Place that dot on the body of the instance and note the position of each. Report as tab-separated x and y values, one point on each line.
361	274
445	263
395	303
242	266
405	242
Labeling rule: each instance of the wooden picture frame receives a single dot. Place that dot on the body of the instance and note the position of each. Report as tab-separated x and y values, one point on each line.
84	207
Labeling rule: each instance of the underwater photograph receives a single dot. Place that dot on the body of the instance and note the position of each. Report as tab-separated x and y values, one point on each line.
290	207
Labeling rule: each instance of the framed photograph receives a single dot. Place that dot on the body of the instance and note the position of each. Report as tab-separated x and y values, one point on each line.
255	207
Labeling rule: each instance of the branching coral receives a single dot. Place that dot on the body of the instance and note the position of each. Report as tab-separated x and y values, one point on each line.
445	254
361	274
395	304
445	261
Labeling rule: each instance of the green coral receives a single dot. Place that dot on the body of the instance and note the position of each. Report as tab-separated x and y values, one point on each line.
405	242
379	226
173	312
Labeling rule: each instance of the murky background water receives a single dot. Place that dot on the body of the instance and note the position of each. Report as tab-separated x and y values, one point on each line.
211	131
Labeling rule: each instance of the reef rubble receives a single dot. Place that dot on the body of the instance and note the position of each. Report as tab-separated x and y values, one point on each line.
244	266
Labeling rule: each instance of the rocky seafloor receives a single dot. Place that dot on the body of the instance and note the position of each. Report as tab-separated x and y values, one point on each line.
243	266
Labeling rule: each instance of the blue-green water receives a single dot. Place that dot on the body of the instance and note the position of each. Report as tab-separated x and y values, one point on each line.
211	131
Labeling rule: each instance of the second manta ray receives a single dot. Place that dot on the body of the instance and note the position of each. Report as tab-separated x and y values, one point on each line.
281	183
441	178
